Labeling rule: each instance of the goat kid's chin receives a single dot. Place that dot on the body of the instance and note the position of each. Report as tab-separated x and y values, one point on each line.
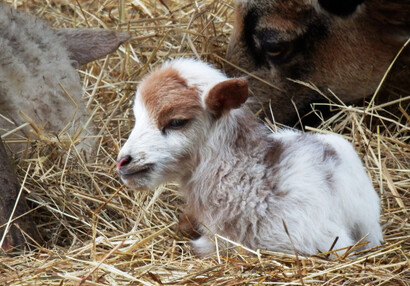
147	177
138	177
139	183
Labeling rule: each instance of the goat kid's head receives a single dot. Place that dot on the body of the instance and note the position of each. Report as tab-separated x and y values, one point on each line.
175	110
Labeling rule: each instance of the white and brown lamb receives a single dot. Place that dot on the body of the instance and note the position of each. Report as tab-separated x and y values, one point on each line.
239	179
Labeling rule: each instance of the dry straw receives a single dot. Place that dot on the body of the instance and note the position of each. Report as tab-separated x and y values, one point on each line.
99	233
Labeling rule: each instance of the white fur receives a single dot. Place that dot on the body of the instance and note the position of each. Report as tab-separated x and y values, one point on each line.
317	185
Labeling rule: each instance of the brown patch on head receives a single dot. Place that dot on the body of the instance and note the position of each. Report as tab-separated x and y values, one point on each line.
167	96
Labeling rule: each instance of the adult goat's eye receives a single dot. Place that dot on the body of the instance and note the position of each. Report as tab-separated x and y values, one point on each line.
175	124
276	53
280	53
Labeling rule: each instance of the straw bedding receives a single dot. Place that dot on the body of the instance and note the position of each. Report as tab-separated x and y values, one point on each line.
100	233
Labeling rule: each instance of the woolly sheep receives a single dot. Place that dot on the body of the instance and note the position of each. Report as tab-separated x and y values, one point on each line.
38	78
240	180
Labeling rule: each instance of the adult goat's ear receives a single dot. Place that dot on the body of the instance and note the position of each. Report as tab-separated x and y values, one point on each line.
227	95
341	8
87	45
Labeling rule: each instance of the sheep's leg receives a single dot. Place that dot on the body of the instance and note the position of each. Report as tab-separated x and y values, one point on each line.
9	188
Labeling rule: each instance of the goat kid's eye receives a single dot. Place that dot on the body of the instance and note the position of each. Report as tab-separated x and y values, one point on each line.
175	124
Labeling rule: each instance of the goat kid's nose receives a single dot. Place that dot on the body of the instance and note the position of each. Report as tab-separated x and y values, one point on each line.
123	161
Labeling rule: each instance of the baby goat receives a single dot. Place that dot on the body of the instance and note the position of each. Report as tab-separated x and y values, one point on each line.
240	180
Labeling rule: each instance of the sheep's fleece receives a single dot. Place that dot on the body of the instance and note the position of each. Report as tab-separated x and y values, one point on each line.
38	79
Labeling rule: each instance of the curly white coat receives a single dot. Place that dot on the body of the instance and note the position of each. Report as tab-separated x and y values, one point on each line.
240	180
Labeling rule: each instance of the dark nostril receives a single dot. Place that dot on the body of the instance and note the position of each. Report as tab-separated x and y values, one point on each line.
124	161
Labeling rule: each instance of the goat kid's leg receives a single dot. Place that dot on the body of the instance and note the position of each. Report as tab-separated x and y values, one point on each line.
188	226
203	246
344	240
372	233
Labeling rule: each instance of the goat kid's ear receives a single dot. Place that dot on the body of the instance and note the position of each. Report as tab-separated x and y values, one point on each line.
227	95
342	8
87	45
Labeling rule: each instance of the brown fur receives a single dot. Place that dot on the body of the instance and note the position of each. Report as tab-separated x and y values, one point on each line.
227	95
167	96
348	55
188	227
274	152
330	154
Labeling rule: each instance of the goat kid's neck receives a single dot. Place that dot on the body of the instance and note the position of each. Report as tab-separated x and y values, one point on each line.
231	138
